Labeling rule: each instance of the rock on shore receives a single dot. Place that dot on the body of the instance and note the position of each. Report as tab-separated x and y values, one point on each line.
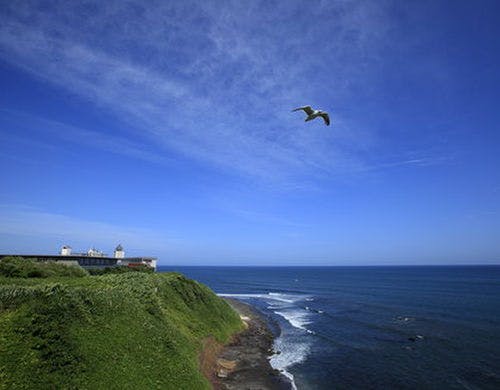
244	362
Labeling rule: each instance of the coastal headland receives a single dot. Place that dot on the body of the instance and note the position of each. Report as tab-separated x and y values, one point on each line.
62	327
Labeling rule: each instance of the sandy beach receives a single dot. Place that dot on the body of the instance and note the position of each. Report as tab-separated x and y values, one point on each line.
244	362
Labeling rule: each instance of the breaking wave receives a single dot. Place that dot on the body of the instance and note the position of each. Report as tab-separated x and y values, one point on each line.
297	318
294	342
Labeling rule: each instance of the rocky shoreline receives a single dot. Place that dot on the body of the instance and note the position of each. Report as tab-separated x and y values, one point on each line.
244	362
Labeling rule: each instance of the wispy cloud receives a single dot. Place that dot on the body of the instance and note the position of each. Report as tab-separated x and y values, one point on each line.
205	81
409	162
27	221
263	218
78	136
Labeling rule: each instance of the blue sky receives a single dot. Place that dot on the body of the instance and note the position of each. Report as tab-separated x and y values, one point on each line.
168	128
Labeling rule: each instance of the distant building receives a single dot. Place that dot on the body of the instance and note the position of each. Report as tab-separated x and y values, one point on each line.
119	252
137	261
93	258
92	252
66	250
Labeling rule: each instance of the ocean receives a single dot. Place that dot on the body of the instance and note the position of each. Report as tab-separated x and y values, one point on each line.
426	327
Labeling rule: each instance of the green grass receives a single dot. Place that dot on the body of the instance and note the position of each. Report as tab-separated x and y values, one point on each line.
117	331
17	267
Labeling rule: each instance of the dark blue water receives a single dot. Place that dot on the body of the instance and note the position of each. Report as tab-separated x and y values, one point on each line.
375	327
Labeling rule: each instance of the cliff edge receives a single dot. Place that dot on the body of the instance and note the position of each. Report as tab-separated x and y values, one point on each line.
132	330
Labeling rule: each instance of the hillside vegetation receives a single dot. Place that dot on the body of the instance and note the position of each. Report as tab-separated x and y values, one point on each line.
117	331
17	267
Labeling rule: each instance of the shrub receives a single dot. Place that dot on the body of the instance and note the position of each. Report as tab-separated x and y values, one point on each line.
18	267
120	270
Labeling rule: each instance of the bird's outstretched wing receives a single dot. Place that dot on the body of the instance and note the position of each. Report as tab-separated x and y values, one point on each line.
326	118
307	109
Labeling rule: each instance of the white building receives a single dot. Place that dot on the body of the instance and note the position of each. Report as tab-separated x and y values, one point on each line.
97	258
119	252
66	250
92	252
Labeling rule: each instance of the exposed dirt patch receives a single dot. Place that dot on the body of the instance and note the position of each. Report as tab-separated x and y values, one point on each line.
208	360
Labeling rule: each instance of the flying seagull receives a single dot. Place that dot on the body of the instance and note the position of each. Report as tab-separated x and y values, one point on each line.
313	114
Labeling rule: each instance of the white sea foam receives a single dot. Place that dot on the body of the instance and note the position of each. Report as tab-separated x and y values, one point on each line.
291	353
243	295
282	305
280	297
292	344
288	298
298	318
290	377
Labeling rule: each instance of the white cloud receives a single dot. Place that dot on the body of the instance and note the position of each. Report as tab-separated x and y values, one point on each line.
208	81
81	137
26	221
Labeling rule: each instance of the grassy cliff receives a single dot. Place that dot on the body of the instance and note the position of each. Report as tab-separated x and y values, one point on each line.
124	331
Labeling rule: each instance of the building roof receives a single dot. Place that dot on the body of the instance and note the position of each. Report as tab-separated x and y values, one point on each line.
119	248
